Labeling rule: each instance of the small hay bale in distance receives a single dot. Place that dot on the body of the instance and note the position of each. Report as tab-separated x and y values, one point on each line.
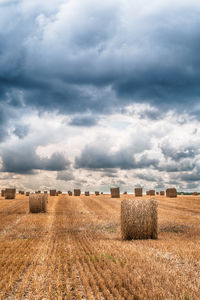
59	192
157	193
195	194
147	193
38	203
171	193
101	193
77	192
138	192
97	193
3	193
27	193
162	193
45	192
69	193
139	219
10	193
87	193
152	193
115	192
52	192
125	193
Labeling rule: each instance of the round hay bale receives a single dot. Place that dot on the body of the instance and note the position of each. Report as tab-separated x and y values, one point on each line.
77	192
139	219
115	192
138	192
10	193
38	203
171	193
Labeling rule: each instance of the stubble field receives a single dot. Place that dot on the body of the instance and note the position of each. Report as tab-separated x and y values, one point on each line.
75	251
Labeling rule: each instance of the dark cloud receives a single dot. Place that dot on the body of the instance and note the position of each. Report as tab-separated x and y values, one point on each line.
99	64
21	131
101	158
65	175
26	161
83	121
178	154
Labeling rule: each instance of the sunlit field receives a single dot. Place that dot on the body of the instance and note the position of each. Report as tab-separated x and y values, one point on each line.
75	251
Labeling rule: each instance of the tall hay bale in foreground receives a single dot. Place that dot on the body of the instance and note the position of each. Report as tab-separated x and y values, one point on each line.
152	193
52	192
171	193
10	193
139	219
162	193
3	193
87	193
115	192
97	193
38	203
77	192
138	192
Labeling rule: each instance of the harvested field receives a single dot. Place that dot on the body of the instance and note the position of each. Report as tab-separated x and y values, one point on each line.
75	251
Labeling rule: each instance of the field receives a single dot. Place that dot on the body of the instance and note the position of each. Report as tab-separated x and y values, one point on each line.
75	251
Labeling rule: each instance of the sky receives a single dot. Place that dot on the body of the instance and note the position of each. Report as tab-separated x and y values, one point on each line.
98	94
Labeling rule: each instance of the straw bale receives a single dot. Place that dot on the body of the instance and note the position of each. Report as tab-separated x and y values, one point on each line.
45	192
38	203
97	193
10	193
87	193
70	193
52	192
139	219
171	193
195	194
27	193
125	193
115	192
162	193
101	193
152	193
77	192
138	192
3	193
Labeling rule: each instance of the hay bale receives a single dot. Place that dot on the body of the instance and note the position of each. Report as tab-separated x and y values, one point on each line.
45	192
101	193
52	192
22	193
171	193
162	193
87	193
139	219
27	193
3	193
195	194
38	203
70	193
147	193
97	193
125	193
10	193
115	192
77	192
152	193
138	192
59	192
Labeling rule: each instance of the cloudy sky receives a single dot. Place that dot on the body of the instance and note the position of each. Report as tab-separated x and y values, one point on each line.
96	94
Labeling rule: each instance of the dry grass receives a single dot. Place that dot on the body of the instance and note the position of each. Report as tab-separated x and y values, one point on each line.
75	251
38	203
139	219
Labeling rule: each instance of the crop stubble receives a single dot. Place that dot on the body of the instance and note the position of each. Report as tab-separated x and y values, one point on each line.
75	251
